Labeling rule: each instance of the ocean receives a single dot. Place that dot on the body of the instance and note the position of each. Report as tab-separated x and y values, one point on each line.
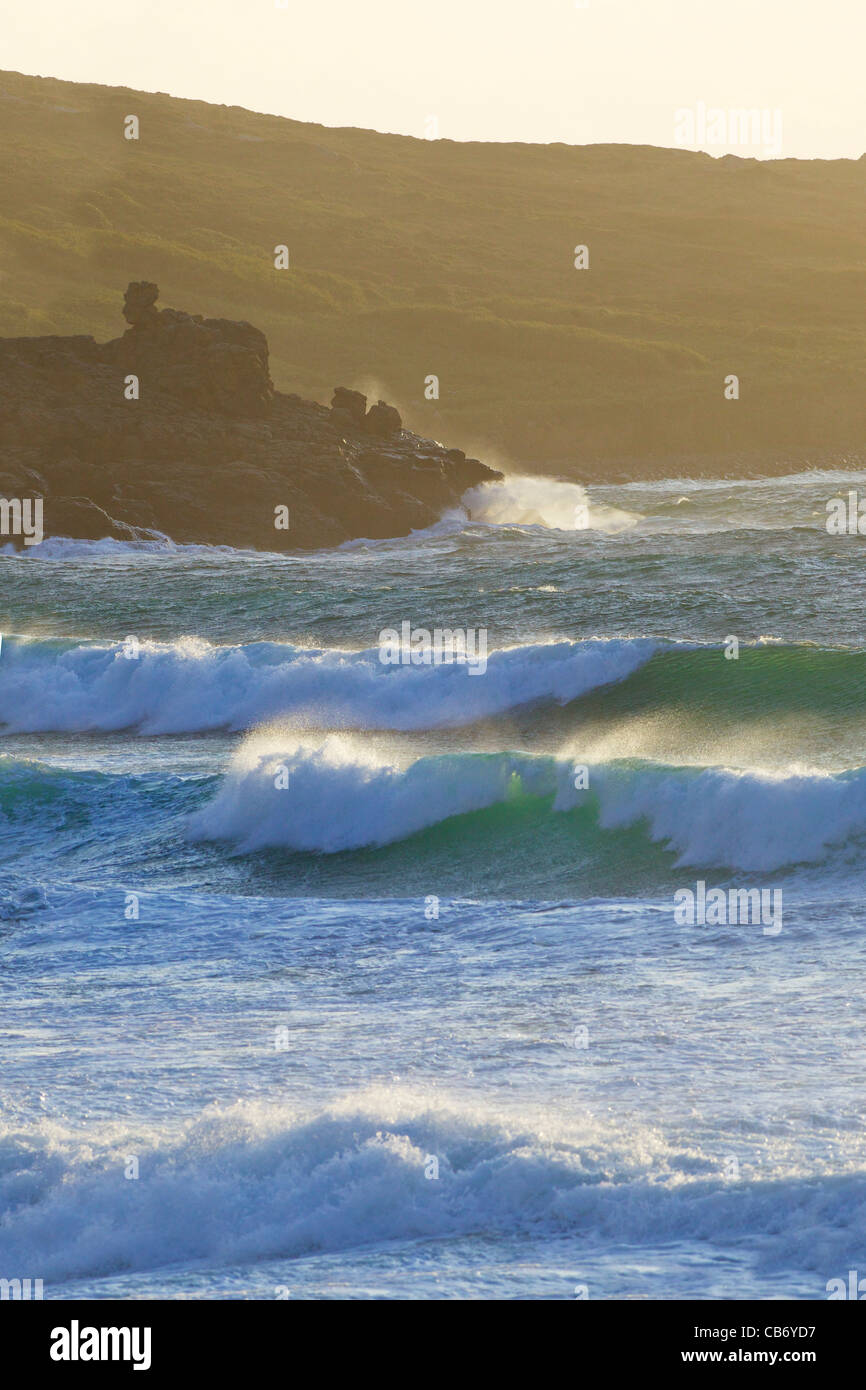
324	977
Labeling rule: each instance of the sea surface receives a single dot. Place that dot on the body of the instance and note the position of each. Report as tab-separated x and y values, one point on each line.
328	978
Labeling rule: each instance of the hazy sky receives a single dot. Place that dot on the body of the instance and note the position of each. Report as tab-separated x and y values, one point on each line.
536	70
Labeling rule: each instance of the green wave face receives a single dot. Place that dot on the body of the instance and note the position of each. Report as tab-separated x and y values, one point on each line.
511	825
760	680
771	706
519	847
520	850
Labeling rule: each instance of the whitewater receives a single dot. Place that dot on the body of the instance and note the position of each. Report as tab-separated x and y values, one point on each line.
324	977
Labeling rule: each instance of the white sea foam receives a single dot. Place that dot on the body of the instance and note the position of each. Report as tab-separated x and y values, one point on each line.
190	686
252	1183
69	548
340	796
734	818
549	502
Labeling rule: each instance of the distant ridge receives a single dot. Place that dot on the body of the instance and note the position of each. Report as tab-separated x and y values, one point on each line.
411	259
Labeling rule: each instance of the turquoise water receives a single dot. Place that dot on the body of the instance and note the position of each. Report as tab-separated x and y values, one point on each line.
421	1021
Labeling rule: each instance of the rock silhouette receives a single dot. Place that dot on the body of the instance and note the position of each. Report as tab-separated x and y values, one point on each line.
383	419
348	406
139	303
176	428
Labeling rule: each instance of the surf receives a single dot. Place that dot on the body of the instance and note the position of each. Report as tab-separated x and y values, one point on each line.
336	795
192	685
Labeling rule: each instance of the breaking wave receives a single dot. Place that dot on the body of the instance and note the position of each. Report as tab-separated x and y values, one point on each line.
253	1183
336	795
190	686
556	505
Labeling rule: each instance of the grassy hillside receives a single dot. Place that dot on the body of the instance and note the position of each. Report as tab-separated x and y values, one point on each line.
411	257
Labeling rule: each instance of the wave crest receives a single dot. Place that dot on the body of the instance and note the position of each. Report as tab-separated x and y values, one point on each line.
190	686
338	796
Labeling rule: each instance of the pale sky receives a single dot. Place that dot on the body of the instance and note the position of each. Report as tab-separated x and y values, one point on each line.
577	71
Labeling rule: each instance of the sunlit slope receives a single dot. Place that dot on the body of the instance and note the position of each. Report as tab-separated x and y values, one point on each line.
411	257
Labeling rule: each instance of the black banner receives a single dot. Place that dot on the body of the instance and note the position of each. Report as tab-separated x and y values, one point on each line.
158	1338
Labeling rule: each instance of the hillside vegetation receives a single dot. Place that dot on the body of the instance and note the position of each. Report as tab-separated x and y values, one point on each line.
412	257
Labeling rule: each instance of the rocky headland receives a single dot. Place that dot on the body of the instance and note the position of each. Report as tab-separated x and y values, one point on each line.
175	428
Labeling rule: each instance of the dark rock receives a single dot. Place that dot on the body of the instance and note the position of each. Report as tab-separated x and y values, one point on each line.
83	519
209	449
351	403
138	303
342	420
383	419
215	364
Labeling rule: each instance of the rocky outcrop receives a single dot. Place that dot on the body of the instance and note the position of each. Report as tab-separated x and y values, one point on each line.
139	304
383	419
349	411
348	408
213	364
175	427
